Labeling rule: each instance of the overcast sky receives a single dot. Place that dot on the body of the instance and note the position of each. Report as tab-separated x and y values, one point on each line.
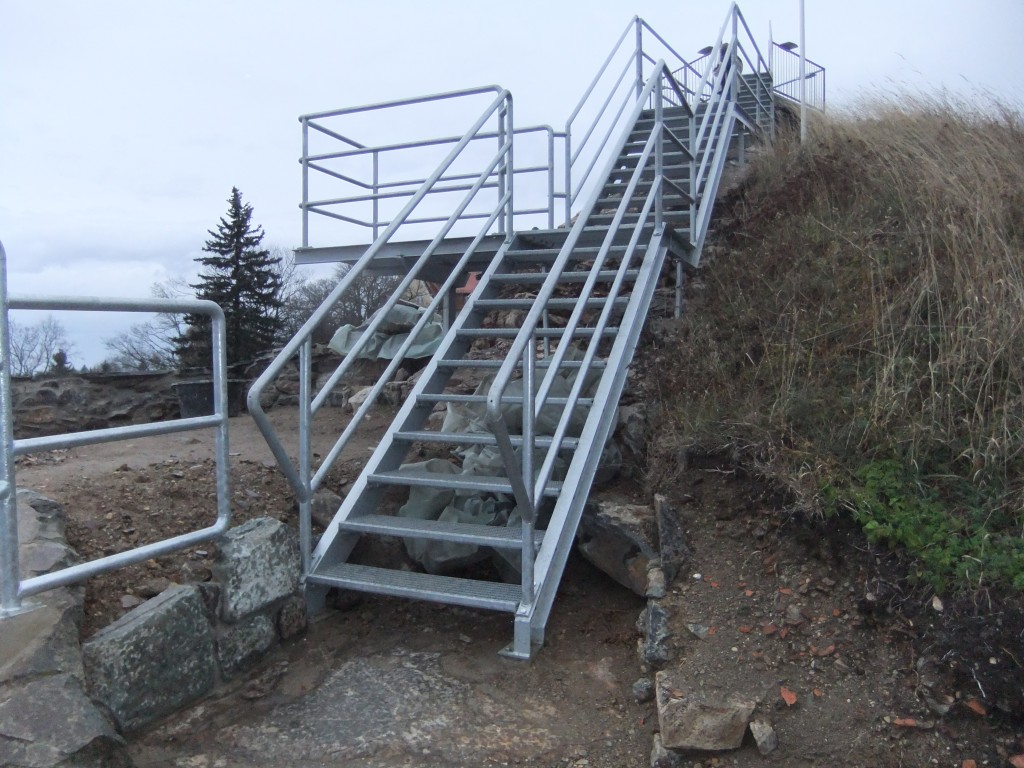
124	125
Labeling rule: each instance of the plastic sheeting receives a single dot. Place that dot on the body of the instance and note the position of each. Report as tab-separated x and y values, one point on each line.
474	507
392	333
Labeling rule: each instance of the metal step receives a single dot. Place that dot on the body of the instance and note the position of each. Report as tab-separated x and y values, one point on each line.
540	333
605	275
598	303
497	536
427	399
493	596
475	483
478	438
541	364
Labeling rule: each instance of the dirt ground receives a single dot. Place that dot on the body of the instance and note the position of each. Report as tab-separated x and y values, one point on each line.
806	620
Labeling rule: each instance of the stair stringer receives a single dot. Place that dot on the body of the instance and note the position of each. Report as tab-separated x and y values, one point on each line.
561	531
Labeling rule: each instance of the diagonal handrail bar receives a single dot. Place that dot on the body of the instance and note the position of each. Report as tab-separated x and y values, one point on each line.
503	102
521	348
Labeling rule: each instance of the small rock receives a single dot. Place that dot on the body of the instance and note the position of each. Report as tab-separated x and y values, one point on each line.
655	646
291	619
794	616
671	538
661	757
153	587
643	690
764	735
655	583
692	720
699	631
130	601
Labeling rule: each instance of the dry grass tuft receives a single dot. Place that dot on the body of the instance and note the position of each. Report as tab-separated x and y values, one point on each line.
863	340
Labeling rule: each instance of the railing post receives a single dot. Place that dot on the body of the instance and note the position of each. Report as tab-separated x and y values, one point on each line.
568	175
305	452
528	516
511	174
10	572
503	227
659	127
639	57
376	200
305	182
551	179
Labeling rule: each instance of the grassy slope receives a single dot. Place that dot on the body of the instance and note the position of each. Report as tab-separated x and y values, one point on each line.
862	340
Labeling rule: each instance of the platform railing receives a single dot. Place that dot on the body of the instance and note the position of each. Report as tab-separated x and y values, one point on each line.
368	177
13	588
785	67
302	477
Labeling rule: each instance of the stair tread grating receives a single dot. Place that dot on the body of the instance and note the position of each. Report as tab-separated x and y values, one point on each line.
479	483
491	595
475	438
500	536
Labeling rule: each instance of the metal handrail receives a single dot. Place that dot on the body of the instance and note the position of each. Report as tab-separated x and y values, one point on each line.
635	57
375	190
527	490
12	587
300	475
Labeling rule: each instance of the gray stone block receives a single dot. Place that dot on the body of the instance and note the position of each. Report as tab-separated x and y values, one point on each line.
241	644
257	564
292	618
154	659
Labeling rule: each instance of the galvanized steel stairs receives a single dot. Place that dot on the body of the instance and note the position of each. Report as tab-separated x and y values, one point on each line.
519	267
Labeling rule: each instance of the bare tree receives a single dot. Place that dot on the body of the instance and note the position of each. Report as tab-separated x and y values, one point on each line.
150	345
33	346
367	294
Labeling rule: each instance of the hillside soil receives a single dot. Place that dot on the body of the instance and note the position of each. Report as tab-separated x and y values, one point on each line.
803	618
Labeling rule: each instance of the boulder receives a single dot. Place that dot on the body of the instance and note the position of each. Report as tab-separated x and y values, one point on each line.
619	539
154	659
242	643
693	720
672	543
656	648
257	565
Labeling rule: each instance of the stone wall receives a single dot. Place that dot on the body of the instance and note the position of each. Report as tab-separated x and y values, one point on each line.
65	704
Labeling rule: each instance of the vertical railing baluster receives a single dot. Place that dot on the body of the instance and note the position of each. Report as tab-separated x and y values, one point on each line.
639	58
305	183
658	159
529	516
376	189
10	571
305	452
503	226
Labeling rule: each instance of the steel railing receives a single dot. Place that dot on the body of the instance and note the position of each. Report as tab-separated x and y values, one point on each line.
527	479
303	480
786	73
13	588
613	90
363	185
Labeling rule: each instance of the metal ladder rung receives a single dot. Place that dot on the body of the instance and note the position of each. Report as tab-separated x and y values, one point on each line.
477	438
497	536
490	595
475	483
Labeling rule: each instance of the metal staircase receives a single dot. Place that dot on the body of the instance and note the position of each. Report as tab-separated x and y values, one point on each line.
641	182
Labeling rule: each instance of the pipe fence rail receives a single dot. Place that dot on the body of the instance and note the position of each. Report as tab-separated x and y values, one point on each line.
13	588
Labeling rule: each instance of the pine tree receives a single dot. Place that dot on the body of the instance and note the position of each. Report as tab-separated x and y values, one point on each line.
244	280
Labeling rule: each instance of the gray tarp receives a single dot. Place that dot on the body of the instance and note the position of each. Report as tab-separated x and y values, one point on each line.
390	336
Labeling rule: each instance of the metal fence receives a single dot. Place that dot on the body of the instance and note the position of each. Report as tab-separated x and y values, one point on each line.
13	588
786	73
